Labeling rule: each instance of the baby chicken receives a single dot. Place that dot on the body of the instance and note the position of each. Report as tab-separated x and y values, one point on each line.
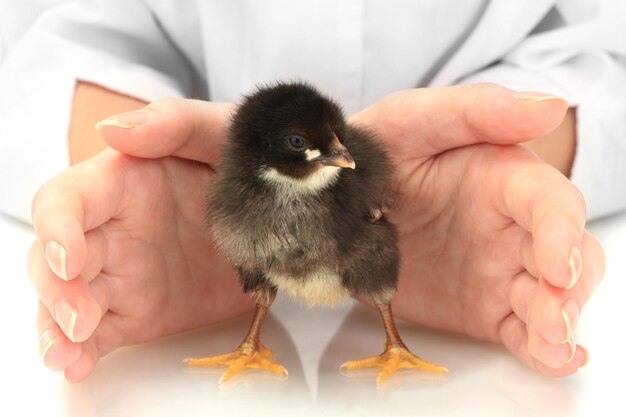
298	204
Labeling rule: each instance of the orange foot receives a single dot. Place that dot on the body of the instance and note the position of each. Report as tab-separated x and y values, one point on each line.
245	356
391	360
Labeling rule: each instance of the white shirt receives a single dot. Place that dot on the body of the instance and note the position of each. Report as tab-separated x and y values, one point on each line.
357	51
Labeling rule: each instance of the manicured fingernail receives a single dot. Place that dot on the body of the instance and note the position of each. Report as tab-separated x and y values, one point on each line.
65	315
533	97
575	264
572	346
55	255
570	313
126	120
47	339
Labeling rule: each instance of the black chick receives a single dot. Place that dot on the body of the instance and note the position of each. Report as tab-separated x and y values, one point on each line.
298	204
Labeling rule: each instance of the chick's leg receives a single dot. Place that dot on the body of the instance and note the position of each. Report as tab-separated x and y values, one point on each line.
251	353
396	354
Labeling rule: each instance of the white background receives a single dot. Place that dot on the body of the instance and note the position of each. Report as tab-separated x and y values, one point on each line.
150	380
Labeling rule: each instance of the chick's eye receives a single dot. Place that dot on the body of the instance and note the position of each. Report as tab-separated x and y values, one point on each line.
296	142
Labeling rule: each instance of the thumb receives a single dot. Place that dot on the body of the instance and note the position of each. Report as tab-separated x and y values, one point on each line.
427	121
190	129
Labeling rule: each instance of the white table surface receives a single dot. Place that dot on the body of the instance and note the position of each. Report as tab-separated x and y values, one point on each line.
150	380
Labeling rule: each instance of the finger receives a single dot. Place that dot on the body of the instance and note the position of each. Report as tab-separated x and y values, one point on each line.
84	365
97	252
78	360
106	338
580	359
553	311
522	289
553	355
549	206
74	202
593	268
514	336
527	255
426	122
190	129
75	306
55	349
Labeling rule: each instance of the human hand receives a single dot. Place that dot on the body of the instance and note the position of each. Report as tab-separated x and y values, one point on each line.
106	223
492	239
138	263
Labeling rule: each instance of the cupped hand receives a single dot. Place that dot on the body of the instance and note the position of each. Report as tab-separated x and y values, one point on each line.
122	253
493	241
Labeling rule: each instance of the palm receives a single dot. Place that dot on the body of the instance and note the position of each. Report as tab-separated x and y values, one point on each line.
165	274
460	254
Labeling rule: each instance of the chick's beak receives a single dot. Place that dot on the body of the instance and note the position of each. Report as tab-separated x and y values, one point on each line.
337	156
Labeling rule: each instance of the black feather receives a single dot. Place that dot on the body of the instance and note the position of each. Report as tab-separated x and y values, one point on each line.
273	235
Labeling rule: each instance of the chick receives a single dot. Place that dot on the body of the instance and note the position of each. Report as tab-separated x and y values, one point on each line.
298	204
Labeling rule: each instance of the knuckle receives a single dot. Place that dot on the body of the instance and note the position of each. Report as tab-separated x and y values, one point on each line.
39	197
596	253
176	115
578	198
169	108
34	256
166	104
491	88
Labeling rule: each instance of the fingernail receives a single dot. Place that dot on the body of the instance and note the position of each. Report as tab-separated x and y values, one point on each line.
533	97
55	255
572	346
575	264
65	315
126	120
570	313
47	339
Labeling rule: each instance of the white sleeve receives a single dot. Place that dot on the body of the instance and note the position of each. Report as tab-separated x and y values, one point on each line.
582	58
116	44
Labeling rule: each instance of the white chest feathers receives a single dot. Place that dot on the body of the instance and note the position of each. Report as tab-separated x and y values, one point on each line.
320	288
290	186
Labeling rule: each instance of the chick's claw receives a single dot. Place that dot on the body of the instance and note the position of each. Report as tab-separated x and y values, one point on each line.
240	359
391	360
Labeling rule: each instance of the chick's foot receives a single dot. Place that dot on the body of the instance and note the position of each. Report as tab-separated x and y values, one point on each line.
245	356
391	360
